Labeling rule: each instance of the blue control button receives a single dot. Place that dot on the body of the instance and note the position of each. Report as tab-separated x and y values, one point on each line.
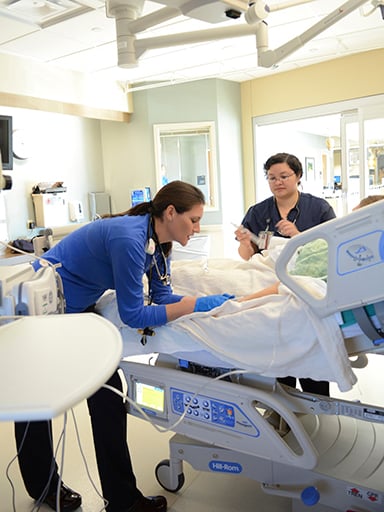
310	496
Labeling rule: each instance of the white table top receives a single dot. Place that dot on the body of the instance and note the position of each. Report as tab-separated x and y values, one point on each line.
50	363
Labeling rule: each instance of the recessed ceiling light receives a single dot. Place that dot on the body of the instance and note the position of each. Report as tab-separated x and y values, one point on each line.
43	13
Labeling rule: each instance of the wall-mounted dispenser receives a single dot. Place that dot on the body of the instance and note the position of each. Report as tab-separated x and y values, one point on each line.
76	211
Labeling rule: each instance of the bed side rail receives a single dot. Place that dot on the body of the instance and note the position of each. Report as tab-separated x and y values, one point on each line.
355	261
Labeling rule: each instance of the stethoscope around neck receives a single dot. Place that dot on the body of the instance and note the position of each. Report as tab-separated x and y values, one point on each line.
150	248
151	245
296	207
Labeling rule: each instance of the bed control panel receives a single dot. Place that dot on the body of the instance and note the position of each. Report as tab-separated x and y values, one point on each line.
210	410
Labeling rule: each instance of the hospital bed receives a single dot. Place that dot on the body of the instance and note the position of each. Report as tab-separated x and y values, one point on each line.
331	455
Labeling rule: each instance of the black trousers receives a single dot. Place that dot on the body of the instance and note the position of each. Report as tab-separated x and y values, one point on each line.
318	387
109	426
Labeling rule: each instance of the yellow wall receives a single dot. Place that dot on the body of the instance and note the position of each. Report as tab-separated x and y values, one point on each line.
346	78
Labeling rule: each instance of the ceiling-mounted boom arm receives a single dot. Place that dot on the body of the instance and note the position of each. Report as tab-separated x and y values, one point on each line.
128	23
268	58
213	34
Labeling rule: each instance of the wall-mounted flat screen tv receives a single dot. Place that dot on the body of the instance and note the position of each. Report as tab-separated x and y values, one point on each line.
6	142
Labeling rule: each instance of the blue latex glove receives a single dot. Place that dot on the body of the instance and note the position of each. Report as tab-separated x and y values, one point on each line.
211	301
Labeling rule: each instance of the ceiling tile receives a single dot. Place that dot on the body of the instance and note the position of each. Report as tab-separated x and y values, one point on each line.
87	43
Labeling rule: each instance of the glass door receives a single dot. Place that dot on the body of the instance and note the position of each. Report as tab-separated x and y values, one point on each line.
374	143
343	143
363	157
352	179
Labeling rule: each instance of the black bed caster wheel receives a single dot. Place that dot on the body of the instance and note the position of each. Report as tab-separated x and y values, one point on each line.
163	476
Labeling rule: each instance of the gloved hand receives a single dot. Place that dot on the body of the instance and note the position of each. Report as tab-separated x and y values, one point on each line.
211	301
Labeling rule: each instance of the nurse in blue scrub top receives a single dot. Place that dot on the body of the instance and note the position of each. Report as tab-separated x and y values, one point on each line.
116	252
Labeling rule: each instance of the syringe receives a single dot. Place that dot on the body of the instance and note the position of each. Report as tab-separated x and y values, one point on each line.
255	239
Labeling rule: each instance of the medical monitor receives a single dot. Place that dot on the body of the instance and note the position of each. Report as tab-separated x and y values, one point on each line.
337	183
6	142
140	195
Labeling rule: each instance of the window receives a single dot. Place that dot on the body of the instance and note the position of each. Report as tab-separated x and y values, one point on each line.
186	151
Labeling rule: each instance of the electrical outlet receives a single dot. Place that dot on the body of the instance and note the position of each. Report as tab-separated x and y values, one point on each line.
31	224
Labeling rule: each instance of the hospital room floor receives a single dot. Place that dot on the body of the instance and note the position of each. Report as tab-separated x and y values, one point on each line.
202	491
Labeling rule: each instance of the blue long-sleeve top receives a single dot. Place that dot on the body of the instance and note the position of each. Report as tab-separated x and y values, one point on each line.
110	254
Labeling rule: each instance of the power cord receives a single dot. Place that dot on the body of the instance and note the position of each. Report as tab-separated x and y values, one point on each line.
44	493
61	441
30	254
86	464
40	500
9	467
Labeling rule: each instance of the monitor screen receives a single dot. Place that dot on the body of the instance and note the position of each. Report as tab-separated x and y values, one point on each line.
6	142
140	195
150	396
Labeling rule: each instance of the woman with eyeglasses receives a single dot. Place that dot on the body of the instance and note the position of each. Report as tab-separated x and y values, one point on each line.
286	213
116	252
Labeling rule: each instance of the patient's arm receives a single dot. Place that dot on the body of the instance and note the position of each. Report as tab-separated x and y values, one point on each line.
270	290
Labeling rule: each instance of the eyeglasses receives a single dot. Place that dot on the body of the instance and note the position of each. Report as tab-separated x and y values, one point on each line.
273	179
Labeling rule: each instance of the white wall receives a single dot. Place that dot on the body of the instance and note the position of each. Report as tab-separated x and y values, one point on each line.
129	149
63	148
90	155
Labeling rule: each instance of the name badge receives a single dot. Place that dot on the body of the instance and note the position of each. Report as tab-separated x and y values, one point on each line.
264	239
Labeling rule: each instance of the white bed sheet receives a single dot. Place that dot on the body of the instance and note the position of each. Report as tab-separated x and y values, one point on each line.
273	336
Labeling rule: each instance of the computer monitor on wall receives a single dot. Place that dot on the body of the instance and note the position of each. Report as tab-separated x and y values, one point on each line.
6	142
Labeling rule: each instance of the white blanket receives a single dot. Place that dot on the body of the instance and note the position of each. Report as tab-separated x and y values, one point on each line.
274	336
